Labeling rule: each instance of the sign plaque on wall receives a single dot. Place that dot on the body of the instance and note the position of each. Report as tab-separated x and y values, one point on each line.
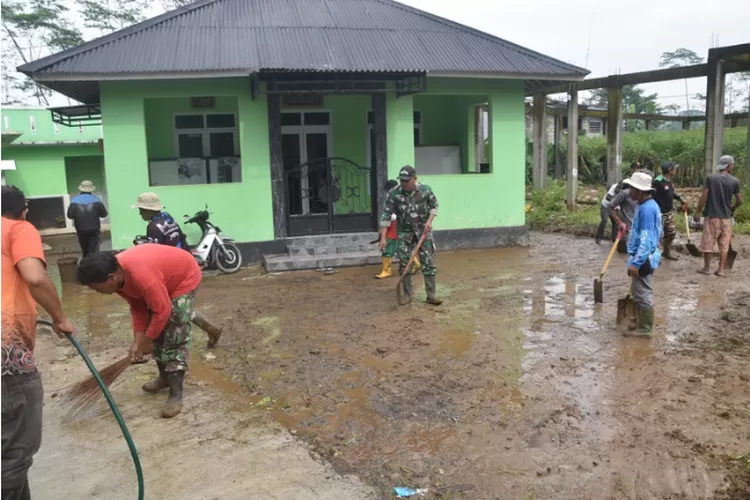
203	102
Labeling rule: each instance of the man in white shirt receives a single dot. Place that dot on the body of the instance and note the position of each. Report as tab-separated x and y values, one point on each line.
611	193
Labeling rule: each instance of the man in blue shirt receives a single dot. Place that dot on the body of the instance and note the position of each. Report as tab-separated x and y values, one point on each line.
86	210
644	255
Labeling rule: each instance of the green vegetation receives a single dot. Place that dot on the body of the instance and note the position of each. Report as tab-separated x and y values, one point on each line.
652	147
549	213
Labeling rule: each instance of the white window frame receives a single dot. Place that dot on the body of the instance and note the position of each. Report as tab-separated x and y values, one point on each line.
303	129
205	132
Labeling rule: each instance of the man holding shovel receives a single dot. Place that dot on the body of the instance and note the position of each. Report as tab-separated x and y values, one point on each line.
643	252
627	204
718	191
664	195
415	206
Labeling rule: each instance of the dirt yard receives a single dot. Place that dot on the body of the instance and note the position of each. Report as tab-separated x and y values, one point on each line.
517	387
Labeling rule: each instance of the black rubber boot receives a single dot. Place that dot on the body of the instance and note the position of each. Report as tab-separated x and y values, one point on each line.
430	286
173	406
157	383
408	292
668	250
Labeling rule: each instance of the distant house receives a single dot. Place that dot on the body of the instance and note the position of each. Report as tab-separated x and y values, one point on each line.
48	161
589	125
287	117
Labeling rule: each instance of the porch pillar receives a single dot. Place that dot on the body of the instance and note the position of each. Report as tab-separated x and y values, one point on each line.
558	138
714	113
539	141
572	184
277	166
380	148
614	135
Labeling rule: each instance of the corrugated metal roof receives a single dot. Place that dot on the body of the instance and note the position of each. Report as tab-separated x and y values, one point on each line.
332	35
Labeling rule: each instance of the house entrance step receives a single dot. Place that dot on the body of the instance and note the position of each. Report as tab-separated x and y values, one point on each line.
332	240
324	251
286	262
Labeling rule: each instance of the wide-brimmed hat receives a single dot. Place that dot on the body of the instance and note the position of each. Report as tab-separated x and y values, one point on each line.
640	181
148	201
86	187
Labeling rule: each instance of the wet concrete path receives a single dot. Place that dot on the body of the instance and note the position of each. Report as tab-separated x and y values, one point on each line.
517	387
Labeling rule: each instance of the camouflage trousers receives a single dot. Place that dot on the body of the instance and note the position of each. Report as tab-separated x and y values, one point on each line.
406	244
172	348
669	231
390	248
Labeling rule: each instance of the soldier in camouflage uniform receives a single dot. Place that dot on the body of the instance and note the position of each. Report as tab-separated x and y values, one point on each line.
415	207
159	283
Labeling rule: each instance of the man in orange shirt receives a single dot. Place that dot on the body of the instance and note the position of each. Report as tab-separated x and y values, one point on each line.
24	284
159	283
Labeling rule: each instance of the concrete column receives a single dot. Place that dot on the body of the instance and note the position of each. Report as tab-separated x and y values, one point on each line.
715	83
648	124
558	138
380	148
278	182
614	136
539	138
686	125
572	180
747	155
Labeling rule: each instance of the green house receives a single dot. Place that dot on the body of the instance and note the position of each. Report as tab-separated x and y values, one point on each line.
286	117
48	161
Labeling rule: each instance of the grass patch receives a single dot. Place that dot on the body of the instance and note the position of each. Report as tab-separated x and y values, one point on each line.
548	212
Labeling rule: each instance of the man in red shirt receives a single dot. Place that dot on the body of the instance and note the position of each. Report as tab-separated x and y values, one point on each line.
159	283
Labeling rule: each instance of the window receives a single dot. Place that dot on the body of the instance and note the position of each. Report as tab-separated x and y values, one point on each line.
206	150
595	127
417	125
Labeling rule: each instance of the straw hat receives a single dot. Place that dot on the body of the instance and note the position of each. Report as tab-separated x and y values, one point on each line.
86	187
640	181
148	201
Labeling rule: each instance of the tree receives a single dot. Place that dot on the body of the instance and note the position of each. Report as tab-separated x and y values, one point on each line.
634	100
678	58
33	29
107	16
174	4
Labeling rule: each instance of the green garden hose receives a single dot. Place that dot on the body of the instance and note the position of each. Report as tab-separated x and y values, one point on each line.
112	405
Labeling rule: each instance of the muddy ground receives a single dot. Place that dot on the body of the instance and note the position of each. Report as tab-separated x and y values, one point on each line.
518	386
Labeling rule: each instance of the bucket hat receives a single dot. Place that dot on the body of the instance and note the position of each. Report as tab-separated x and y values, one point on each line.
640	181
86	187
148	201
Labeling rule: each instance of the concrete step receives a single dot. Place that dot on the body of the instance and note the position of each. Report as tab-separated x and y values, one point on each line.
300	251
332	240
284	262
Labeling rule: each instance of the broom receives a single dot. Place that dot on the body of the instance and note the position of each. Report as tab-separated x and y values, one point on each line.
87	391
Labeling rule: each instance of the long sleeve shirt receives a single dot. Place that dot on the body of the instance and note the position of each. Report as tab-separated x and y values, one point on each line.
627	206
664	194
645	233
412	209
86	210
154	275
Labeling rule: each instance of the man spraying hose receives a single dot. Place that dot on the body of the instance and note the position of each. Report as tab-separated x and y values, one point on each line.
415	207
159	282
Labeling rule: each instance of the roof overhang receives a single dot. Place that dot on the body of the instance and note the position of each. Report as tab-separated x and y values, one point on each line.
84	115
8	136
7	164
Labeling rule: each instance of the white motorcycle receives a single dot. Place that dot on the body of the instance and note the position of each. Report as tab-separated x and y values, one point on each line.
213	249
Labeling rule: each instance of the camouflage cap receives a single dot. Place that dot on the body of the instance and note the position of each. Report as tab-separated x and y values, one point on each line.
407	172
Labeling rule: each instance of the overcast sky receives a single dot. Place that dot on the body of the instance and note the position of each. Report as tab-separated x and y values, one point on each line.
625	35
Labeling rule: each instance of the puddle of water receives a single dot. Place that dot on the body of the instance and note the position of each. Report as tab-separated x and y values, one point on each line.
455	342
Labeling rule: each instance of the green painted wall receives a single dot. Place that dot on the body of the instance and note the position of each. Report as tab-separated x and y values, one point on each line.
243	209
44	130
81	168
40	170
470	200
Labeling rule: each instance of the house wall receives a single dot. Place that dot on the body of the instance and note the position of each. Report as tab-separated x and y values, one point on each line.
40	170
80	168
20	119
242	209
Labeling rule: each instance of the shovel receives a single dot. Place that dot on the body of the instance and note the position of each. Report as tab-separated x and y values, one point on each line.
402	300
691	248
731	255
626	310
598	283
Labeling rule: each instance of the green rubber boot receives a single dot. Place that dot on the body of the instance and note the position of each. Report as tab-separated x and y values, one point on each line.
645	323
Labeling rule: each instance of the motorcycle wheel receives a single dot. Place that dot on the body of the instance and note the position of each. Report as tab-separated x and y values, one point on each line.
228	258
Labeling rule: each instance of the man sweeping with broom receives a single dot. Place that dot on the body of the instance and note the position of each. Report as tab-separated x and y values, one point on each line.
159	282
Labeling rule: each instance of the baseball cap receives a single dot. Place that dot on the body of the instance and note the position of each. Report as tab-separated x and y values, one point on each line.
406	173
668	166
725	161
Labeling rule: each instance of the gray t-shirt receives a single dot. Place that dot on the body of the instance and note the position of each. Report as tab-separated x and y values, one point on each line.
627	206
721	189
